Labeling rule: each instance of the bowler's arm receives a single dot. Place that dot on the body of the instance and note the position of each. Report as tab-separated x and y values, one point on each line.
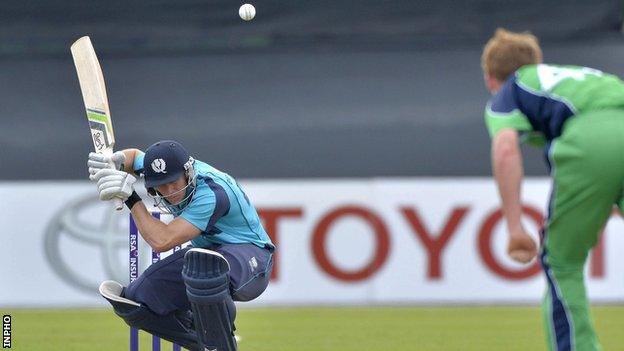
508	172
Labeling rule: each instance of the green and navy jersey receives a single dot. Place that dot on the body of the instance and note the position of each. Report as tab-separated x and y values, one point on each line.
220	209
538	99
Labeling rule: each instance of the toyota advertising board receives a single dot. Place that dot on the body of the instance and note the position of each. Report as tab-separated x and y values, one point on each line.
374	241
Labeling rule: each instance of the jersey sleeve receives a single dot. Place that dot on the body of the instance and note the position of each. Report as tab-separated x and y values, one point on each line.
137	165
503	111
208	205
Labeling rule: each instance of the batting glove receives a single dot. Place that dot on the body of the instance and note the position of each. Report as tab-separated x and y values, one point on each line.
98	162
114	184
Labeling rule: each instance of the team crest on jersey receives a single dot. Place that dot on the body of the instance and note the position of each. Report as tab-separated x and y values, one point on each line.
159	165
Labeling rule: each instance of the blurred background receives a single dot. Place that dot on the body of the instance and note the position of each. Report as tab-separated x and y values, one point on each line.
314	88
357	129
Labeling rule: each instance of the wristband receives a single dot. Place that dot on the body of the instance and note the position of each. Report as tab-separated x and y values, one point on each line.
132	199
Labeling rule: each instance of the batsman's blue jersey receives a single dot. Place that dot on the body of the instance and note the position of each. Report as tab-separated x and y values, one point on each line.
221	210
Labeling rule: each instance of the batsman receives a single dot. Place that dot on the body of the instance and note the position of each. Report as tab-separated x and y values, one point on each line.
577	115
188	297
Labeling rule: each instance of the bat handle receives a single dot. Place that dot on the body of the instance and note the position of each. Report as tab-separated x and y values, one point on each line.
118	204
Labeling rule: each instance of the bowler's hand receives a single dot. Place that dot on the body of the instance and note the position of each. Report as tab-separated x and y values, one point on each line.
521	247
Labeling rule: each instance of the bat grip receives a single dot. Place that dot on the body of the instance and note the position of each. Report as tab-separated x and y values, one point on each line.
118	204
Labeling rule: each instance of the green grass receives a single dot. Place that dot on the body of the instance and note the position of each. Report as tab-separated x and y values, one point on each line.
323	328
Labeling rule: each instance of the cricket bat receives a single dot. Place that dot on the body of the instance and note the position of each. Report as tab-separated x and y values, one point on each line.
95	99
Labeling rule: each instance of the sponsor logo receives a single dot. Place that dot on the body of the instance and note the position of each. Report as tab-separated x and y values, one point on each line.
84	222
97	140
253	263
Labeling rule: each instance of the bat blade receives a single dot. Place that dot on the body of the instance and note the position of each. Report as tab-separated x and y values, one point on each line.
94	95
95	99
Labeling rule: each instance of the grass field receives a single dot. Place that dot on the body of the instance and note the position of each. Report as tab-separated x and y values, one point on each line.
324	328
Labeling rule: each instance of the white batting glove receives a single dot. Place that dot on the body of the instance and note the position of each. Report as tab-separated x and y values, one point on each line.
114	184
98	162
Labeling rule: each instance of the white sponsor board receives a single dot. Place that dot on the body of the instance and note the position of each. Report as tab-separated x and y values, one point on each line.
374	241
